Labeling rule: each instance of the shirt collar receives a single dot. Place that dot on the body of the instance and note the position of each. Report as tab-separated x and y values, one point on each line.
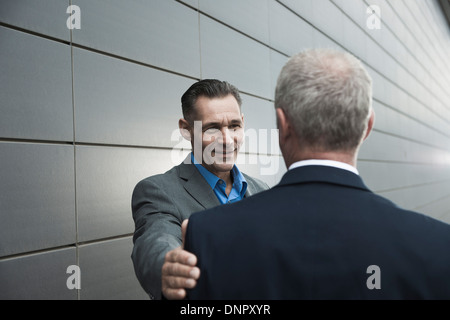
328	163
238	179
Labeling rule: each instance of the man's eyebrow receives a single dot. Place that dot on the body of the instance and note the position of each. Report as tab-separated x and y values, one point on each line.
218	124
210	124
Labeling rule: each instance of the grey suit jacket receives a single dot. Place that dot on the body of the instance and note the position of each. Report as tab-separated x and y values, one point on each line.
160	203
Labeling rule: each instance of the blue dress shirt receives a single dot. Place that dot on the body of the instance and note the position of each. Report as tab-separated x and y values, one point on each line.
218	185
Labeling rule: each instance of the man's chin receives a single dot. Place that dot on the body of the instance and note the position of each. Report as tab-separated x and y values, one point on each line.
217	168
223	164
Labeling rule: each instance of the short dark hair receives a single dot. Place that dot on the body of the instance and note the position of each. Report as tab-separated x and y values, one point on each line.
210	88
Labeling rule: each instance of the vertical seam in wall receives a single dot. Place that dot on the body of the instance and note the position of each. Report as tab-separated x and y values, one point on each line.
199	39
77	257
273	80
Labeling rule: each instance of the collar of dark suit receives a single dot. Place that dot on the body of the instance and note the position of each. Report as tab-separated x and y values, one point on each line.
324	174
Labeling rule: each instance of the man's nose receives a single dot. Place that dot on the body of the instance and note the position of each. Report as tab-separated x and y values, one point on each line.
226	137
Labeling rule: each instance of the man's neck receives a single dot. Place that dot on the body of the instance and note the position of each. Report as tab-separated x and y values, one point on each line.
348	158
225	176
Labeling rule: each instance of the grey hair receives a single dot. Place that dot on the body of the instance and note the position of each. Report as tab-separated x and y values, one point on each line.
327	96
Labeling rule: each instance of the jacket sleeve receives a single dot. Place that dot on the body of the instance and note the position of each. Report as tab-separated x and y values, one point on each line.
157	231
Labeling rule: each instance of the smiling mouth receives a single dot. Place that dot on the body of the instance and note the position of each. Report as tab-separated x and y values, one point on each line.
225	154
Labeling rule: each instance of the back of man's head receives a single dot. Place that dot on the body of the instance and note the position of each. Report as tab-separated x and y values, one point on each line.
327	97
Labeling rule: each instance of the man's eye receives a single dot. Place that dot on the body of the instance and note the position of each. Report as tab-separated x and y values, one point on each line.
235	126
211	131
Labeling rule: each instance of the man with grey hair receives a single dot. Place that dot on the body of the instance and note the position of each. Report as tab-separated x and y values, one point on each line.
320	233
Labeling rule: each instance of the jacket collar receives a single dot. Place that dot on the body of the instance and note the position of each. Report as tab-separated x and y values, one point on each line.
196	185
324	174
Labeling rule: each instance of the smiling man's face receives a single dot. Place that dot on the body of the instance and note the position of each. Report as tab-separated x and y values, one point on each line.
222	132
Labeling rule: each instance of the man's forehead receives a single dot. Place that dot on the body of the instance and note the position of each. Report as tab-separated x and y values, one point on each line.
228	99
217	107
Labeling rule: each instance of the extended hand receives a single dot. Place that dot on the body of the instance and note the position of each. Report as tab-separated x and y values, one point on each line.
179	271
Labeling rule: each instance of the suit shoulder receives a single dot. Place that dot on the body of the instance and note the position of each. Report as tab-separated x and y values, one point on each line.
261	185
420	221
161	178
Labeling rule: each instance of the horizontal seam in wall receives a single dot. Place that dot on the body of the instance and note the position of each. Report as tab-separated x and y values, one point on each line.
410	117
415	58
69	246
137	62
169	71
34	33
419	43
111	55
356	25
194	78
377	71
234	29
105	239
36	252
387	52
110	145
399	162
96	144
433	16
411	186
409	139
439	68
431	202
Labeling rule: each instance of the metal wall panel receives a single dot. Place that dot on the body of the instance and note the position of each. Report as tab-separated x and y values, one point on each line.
47	17
247	16
386	147
260	126
243	62
108	272
37	197
288	33
118	102
40	276
36	87
416	197
119	80
385	176
106	177
159	33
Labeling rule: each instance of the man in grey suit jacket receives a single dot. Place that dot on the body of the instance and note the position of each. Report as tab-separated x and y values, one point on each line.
207	178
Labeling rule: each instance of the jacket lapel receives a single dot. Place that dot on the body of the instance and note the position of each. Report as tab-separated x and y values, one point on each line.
197	186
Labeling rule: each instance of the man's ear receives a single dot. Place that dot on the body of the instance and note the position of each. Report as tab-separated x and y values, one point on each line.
185	129
283	125
370	124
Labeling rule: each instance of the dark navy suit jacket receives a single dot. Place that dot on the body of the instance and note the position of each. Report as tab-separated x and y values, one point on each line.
314	236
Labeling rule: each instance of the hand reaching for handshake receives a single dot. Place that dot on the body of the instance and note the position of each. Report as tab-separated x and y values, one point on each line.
179	271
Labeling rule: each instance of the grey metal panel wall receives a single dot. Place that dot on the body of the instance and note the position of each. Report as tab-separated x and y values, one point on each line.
36	84
86	114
